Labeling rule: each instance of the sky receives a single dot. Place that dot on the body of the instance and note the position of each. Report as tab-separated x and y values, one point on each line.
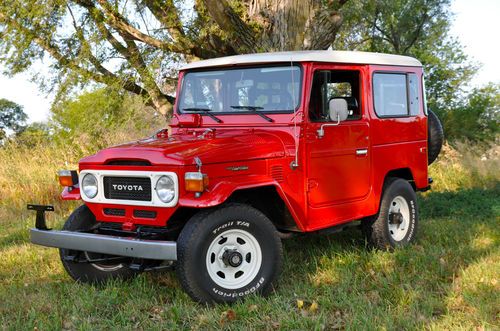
476	25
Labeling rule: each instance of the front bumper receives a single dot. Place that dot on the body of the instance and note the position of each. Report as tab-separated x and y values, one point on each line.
99	243
112	245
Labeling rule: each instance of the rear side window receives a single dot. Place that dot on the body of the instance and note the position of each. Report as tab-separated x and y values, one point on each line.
390	94
413	94
424	96
395	94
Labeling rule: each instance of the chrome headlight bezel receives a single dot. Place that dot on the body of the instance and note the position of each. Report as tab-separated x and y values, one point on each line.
90	186
165	189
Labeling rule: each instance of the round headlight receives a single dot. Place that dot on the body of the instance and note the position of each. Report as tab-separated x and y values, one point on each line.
165	189
89	186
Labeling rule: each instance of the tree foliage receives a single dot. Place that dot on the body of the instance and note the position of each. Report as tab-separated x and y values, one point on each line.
12	117
134	44
33	135
477	118
417	28
99	113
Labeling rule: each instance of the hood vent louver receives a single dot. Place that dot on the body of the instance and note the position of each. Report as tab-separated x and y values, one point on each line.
129	163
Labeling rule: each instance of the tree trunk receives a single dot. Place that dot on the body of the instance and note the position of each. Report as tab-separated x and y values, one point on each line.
296	24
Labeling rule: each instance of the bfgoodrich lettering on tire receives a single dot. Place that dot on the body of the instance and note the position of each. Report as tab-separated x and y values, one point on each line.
228	253
397	221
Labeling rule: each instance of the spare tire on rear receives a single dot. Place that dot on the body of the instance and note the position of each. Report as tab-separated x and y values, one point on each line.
435	137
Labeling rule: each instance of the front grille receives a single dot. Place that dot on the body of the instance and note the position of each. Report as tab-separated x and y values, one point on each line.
114	211
127	188
144	213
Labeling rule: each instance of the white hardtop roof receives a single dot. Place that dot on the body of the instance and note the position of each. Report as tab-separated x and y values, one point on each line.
308	56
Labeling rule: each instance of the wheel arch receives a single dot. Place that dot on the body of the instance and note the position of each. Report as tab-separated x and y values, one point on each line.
270	201
268	198
403	173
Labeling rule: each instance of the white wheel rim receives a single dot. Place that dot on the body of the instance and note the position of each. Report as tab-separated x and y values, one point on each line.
399	207
234	244
104	267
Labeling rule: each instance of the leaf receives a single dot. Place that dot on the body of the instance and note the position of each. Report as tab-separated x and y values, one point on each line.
314	307
442	261
300	304
227	316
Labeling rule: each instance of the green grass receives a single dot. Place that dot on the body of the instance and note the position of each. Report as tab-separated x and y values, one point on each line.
449	279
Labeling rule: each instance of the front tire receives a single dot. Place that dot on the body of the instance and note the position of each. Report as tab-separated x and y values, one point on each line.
397	221
82	220
227	254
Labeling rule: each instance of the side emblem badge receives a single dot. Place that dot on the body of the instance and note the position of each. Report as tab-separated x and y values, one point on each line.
239	168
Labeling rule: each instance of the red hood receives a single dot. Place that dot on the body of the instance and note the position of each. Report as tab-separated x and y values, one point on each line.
224	146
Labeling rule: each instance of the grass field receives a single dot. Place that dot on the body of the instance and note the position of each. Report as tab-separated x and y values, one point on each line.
449	279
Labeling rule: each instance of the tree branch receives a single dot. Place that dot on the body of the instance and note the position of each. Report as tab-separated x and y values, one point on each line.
243	37
416	35
166	13
103	75
131	52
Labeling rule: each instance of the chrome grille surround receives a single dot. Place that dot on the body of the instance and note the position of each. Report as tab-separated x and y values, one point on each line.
154	176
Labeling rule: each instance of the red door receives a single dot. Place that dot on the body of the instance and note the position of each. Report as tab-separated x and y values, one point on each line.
339	162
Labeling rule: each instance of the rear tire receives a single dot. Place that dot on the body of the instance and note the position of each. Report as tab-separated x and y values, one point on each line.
82	220
226	254
397	221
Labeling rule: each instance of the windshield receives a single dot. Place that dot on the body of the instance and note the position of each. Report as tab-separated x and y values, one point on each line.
242	90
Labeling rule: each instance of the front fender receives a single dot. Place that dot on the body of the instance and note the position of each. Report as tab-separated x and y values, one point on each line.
222	190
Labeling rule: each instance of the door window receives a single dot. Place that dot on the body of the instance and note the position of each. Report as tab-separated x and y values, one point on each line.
331	84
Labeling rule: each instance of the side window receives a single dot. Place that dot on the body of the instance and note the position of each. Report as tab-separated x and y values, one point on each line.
330	84
424	96
413	94
390	94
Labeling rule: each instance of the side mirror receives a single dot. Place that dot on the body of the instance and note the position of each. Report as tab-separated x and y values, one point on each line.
338	110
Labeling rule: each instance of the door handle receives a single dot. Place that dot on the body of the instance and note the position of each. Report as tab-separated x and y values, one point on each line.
361	152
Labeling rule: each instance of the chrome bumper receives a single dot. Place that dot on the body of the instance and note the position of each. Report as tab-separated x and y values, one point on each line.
112	245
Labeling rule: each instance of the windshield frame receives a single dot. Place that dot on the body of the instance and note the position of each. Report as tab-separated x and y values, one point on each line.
297	80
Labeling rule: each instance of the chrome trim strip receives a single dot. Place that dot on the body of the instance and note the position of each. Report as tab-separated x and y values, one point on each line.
98	243
362	151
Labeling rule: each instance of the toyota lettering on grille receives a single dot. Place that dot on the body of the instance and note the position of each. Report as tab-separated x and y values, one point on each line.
127	187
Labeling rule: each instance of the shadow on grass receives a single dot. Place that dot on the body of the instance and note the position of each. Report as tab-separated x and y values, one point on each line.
355	287
456	230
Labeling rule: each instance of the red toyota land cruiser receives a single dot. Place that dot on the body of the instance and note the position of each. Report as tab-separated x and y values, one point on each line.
261	147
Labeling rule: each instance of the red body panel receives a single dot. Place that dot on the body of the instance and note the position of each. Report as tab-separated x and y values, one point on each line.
330	186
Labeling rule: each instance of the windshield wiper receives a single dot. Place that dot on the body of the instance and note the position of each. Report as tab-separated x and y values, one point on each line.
205	111
254	109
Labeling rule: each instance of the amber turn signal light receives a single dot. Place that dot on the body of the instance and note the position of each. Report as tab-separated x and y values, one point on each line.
68	177
195	181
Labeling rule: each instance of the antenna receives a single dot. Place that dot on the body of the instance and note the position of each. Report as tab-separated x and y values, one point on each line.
295	162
